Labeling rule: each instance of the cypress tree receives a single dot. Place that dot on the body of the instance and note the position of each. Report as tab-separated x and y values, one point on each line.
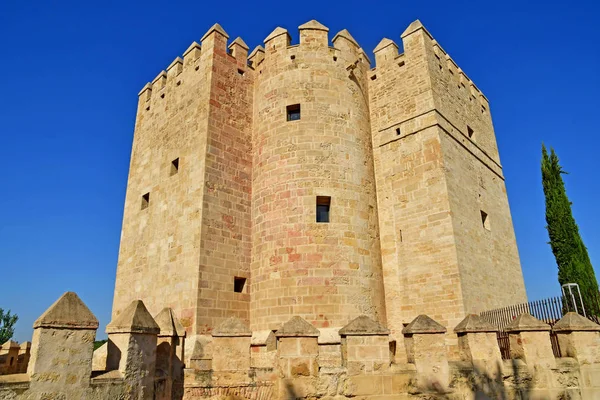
574	265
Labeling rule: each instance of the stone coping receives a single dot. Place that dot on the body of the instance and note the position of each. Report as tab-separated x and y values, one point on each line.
423	325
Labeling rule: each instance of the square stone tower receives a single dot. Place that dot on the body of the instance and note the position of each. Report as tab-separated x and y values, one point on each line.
447	240
299	181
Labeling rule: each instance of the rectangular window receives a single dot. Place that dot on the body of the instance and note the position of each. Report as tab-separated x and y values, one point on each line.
174	166
398	132
239	284
145	201
323	203
293	112
470	131
485	220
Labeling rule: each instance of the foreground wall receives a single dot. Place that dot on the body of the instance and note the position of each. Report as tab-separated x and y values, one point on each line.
299	361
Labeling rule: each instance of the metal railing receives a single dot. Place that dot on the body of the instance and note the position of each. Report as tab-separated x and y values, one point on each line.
548	310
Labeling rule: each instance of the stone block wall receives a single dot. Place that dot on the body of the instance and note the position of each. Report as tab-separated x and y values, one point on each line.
303	362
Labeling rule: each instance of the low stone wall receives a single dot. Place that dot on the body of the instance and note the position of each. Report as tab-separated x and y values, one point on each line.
14	357
143	359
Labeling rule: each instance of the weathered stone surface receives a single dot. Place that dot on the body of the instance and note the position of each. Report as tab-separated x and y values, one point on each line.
385	42
414	26
276	32
314	25
99	358
572	321
168	323
215	28
135	318
239	42
346	35
232	327
67	312
423	325
363	325
297	326
474	323
527	322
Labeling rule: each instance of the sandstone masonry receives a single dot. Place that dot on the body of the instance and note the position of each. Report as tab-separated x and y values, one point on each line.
299	181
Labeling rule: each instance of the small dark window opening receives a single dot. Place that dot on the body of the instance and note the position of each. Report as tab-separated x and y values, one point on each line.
12	359
175	166
401	64
483	109
239	284
293	112
398	132
241	72
436	56
485	221
440	65
145	201
470	131
162	96
292	57
334	58
374	77
323	203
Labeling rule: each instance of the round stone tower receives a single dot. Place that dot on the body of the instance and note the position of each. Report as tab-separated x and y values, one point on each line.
315	234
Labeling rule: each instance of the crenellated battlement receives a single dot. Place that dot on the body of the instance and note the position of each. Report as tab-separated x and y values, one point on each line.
314	44
387	54
194	60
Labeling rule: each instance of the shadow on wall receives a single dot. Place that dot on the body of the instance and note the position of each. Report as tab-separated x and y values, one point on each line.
514	382
290	393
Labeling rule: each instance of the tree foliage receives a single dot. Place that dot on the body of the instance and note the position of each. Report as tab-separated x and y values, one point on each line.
7	323
574	265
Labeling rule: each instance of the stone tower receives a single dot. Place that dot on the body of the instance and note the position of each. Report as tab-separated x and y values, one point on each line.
299	181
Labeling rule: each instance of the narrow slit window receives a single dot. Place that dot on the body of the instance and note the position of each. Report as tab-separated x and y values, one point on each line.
239	284
175	166
485	220
401	64
323	206
398	132
293	112
145	201
470	132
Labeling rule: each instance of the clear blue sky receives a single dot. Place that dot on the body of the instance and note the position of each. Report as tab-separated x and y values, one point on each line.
71	71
